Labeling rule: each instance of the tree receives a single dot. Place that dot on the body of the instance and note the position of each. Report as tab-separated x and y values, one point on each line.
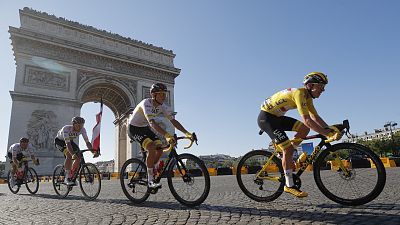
383	147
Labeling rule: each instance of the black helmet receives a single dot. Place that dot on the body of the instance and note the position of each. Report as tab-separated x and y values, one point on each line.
77	119
158	87
315	77
24	140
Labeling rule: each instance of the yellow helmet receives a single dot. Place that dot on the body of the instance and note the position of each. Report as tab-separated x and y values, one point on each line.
315	77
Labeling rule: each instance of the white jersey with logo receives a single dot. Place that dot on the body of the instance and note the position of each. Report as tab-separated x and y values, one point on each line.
145	111
15	149
68	134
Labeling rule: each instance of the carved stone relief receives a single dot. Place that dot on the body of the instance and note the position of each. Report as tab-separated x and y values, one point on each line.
43	78
42	128
82	58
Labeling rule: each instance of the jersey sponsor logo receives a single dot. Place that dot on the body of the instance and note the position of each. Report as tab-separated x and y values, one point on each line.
137	137
279	135
280	101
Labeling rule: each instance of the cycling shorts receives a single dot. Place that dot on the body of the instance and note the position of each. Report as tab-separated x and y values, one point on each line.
143	135
62	146
275	127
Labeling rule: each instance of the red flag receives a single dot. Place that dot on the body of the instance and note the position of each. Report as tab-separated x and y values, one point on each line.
96	129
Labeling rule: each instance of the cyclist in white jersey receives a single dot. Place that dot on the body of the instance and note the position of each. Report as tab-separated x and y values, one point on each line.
64	141
17	152
143	118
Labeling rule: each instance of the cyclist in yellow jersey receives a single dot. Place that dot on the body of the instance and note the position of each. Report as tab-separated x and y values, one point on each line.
273	121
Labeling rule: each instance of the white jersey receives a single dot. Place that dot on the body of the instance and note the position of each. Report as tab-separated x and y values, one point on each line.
68	134
15	149
145	111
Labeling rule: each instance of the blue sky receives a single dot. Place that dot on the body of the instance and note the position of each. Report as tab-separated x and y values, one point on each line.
233	54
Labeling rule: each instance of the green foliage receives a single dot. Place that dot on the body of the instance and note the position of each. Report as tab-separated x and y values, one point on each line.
384	147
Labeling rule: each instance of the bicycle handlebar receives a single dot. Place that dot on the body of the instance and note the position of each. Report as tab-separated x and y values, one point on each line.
169	147
343	127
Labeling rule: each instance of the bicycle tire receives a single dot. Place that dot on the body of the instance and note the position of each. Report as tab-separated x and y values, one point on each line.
59	186
346	179
137	181
258	192
16	187
89	174
197	174
32	177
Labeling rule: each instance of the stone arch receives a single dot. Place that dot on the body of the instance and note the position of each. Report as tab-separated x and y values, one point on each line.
61	64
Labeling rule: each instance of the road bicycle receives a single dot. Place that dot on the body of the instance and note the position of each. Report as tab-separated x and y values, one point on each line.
87	174
347	173
187	175
27	176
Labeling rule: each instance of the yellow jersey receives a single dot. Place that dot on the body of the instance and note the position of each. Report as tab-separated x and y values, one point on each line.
291	98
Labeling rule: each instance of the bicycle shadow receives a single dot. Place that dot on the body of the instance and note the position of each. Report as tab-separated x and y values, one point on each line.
366	214
69	197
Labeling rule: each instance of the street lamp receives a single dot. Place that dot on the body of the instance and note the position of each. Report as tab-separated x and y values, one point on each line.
390	125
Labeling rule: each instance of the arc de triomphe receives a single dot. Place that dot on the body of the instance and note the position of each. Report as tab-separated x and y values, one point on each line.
61	64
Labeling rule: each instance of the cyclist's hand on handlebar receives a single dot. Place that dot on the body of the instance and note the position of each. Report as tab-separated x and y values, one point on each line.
189	135
171	140
36	162
334	135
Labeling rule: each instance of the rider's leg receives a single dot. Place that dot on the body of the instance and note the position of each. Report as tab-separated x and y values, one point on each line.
153	148
302	131
67	164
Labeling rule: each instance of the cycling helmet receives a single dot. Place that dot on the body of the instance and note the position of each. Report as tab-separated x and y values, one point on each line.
24	140
158	87
315	77
78	119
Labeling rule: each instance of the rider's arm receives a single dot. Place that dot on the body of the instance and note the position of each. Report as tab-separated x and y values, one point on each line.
179	126
85	137
309	122
319	120
30	151
155	126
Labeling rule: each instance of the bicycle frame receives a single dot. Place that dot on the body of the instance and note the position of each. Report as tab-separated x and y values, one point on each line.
172	156
310	159
82	161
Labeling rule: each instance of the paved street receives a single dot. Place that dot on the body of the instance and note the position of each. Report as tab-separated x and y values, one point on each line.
226	204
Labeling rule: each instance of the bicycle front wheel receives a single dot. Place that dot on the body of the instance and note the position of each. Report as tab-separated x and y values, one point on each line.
133	178
59	186
189	180
262	185
14	189
356	175
90	181
32	181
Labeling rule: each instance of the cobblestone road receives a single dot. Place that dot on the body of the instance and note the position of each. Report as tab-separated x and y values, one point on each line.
226	204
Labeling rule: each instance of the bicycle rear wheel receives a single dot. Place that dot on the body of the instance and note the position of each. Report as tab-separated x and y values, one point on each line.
90	181
32	181
14	189
357	183
189	180
59	186
133	178
262	186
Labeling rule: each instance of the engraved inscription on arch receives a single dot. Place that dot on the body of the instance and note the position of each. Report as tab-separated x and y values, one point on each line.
43	78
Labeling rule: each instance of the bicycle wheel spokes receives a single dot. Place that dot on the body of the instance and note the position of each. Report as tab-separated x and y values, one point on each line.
90	181
189	180
14	189
32	181
350	180
59	186
133	178
258	183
